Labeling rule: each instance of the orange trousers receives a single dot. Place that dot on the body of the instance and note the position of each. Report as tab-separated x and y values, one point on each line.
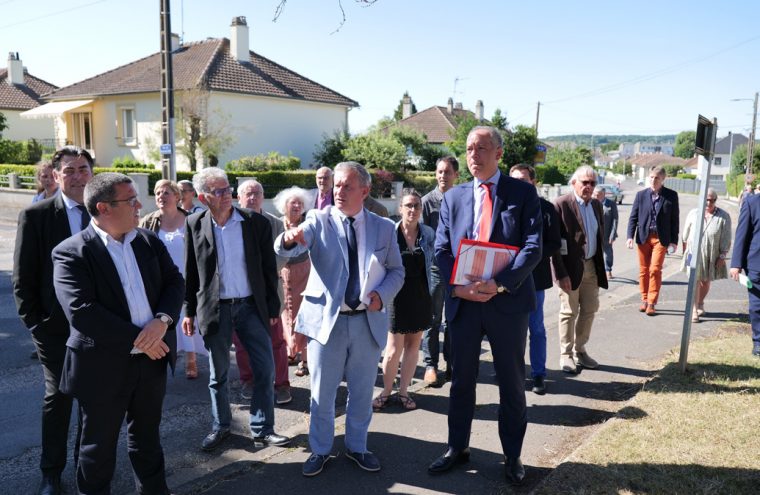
651	258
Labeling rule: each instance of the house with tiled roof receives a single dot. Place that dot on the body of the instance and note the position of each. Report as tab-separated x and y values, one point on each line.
259	104
19	92
437	123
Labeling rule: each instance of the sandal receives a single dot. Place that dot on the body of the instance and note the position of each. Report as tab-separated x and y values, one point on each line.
380	402
302	370
407	402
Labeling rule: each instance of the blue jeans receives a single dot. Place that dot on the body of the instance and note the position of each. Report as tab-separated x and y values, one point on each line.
608	256
244	319
537	337
430	338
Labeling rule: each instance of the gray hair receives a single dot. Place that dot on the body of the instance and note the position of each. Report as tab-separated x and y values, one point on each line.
496	138
364	177
247	184
583	171
711	193
328	169
281	200
598	189
204	176
102	189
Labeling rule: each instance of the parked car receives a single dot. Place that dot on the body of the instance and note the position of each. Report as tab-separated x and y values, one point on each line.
612	192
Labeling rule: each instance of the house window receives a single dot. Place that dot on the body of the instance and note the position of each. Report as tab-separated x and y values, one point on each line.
82	130
717	161
127	127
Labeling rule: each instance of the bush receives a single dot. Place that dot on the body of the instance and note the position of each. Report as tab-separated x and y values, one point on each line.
22	152
423	182
263	162
672	170
128	162
686	176
549	174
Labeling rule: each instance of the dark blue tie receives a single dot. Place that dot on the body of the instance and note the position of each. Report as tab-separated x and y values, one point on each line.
352	289
85	217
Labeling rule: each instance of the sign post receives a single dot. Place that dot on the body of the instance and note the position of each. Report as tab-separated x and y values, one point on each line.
705	145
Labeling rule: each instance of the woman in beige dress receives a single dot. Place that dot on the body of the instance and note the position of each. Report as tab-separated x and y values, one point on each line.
716	240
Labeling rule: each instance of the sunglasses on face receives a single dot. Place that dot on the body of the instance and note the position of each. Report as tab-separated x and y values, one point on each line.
412	206
588	182
221	192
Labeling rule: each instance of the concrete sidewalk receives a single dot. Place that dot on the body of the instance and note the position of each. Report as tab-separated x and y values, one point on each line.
628	344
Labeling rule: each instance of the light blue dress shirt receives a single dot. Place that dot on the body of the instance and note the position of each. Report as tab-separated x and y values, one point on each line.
589	224
73	213
230	258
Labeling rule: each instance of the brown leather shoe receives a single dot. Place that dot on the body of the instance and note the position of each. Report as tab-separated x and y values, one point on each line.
650	310
643	306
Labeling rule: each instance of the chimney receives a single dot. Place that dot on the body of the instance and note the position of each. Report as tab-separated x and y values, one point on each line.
458	106
175	42
479	110
450	106
15	69
406	106
239	40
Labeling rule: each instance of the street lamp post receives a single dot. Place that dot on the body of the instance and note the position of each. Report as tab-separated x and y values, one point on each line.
751	143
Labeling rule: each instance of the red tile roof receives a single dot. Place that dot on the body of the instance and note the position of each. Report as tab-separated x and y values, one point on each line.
208	65
22	97
653	159
436	122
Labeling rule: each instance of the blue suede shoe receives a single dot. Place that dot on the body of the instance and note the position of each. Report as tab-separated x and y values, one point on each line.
315	464
367	461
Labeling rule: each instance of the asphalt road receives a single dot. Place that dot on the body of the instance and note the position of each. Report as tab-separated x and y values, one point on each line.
186	410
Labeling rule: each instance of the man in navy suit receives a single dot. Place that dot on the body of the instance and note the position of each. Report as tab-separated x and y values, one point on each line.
654	226
746	256
121	294
498	307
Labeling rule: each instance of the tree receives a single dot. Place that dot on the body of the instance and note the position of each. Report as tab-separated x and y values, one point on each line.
685	144
499	121
376	150
202	134
364	3
398	114
611	146
519	146
739	160
329	152
3	125
458	143
567	160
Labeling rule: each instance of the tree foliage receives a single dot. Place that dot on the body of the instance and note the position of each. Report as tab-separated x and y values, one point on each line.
3	124
611	146
499	121
376	150
519	146
567	160
329	152
685	144
739	160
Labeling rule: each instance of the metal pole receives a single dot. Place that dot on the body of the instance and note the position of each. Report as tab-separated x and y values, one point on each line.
538	111
751	144
693	261
168	168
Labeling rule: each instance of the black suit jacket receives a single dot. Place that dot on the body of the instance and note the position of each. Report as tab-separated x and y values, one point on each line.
202	290
41	227
552	241
102	333
666	219
574	234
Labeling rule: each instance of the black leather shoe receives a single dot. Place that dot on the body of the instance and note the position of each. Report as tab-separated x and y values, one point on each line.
271	439
50	485
514	470
539	385
448	460
214	440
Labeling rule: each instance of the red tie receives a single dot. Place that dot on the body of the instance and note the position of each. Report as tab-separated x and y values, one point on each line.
486	212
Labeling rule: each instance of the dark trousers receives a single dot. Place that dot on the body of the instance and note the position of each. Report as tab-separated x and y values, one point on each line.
609	256
141	400
56	406
754	307
430	337
507	335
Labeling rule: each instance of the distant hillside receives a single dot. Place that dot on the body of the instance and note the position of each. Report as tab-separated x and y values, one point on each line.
585	139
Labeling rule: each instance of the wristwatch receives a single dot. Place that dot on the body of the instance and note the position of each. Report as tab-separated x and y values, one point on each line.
165	318
500	289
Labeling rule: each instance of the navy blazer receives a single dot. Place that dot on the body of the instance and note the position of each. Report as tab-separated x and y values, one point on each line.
667	217
746	254
102	333
552	242
516	221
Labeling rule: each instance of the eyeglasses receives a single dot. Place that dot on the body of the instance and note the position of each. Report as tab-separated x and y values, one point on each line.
588	182
130	201
711	200
413	206
221	191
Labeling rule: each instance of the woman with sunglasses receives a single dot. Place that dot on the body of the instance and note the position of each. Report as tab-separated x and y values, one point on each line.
412	309
716	240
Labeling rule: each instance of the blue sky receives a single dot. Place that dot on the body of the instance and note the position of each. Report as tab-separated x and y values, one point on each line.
601	67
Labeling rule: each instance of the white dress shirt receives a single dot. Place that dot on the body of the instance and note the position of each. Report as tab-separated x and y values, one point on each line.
231	265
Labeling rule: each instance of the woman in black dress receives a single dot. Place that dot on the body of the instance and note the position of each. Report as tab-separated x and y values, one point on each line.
412	308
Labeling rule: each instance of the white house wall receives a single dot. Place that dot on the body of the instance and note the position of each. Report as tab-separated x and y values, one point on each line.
24	129
262	124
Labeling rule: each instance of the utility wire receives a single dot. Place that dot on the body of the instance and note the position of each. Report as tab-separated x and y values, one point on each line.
26	21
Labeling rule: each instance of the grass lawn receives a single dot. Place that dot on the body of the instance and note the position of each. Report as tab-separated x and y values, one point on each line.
693	433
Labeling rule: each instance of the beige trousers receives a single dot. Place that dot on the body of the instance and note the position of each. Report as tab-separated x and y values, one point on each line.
576	312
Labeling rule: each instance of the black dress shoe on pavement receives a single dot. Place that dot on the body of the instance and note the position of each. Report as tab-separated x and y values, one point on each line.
514	470
448	460
50	485
214	440
271	439
539	385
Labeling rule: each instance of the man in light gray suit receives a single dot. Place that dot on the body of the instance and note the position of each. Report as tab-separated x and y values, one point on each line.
356	272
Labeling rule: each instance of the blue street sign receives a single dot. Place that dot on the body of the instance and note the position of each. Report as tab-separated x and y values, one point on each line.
166	149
